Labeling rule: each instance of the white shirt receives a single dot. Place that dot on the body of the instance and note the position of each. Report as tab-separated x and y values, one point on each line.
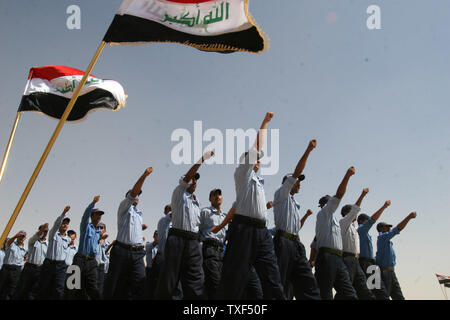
328	231
129	222
349	231
185	209
286	210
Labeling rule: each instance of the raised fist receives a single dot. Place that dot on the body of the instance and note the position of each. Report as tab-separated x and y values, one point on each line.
96	199
387	203
148	171
412	215
351	171
268	117
66	209
312	144
269	205
366	190
208	155
309	212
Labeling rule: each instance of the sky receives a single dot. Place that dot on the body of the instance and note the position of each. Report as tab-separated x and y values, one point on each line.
374	99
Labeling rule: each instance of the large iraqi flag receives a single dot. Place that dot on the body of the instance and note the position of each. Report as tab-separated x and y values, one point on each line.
210	25
50	88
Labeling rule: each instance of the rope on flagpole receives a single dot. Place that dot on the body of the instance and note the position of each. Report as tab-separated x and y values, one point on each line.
8	147
50	144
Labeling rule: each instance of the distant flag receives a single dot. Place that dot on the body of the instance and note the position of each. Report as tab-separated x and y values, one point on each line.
49	90
445	282
210	25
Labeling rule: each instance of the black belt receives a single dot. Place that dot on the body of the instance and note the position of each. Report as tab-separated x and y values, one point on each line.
290	236
129	246
35	266
183	233
331	250
82	256
367	260
213	243
11	267
249	221
54	261
388	268
349	254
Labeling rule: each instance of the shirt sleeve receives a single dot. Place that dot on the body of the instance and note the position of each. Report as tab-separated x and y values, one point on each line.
365	227
246	164
85	218
330	207
56	226
125	205
178	193
283	192
346	221
389	235
33	239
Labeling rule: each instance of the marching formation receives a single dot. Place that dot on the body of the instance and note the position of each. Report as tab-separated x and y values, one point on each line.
204	253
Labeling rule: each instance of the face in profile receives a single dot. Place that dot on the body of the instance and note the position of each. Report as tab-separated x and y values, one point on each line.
256	166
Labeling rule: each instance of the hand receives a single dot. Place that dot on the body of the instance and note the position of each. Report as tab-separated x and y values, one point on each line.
311	263
148	171
365	191
309	212
104	236
144	226
312	144
207	155
269	205
412	215
96	199
351	171
387	203
268	117
66	209
215	229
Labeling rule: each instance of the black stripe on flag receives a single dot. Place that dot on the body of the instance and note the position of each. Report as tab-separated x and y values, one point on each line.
127	28
441	281
54	105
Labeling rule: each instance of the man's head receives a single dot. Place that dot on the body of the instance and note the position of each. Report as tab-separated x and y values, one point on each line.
363	218
384	227
72	235
22	236
324	200
155	236
193	184
136	199
215	197
44	229
96	216
346	209
296	187
102	228
167	209
64	225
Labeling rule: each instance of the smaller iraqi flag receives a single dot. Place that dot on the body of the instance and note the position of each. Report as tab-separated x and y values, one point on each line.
49	90
445	280
209	25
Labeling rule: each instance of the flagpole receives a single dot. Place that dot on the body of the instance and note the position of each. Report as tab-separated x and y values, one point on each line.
50	144
8	147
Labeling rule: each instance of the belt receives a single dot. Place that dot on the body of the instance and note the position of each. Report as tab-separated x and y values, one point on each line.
349	254
387	268
32	265
367	260
84	257
257	223
129	246
101	265
11	267
183	233
332	251
213	243
54	261
290	236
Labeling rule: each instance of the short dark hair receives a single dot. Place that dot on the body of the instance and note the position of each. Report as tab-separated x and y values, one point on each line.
323	201
346	209
71	232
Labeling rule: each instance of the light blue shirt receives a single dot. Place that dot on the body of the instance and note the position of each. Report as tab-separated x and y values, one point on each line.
101	256
2	258
129	222
70	254
286	210
365	239
58	245
328	231
250	196
15	255
164	224
210	217
89	235
150	253
37	250
385	249
185	209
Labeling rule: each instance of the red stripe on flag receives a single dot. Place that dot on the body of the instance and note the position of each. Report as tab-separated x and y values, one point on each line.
52	72
189	1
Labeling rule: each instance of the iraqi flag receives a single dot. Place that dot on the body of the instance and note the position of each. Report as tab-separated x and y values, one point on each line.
445	280
210	25
49	90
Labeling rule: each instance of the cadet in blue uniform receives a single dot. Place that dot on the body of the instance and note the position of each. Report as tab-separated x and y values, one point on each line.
53	273
330	268
29	279
72	247
295	270
151	250
386	256
126	271
249	241
350	248
212	243
182	253
12	266
101	258
366	255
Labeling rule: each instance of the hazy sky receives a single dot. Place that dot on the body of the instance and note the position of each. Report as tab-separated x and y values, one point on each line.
375	99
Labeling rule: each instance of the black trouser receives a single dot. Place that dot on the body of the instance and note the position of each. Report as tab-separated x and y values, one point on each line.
295	270
380	294
28	286
9	279
100	279
182	262
51	283
212	268
253	290
88	269
153	276
357	277
248	246
332	272
126	274
393	289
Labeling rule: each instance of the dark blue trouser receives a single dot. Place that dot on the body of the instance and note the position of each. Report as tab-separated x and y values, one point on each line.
253	290
9	278
182	262
357	278
89	280
249	246
393	289
212	268
332	272
153	276
100	279
27	288
380	294
52	281
295	270
126	274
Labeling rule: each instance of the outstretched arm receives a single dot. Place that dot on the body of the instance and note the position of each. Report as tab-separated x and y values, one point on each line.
405	221
225	221
302	162
361	197
307	214
377	214
138	185
193	170
343	186
262	133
